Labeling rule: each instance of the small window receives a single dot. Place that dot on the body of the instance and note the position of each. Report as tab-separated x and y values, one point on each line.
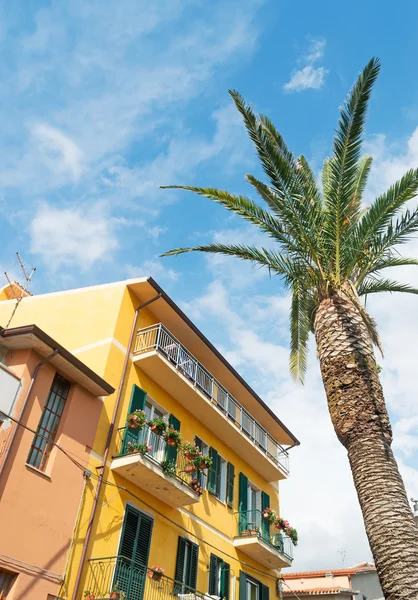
7	579
219	574
48	425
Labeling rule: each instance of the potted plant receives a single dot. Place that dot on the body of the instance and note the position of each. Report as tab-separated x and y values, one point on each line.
137	419
89	596
116	592
190	468
169	468
131	448
196	487
144	448
293	534
203	462
158	425
254	531
189	450
172	437
155	572
269	514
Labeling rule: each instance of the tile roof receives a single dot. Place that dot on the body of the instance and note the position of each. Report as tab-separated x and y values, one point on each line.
335	572
320	591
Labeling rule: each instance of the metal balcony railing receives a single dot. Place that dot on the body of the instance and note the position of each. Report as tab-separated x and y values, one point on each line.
157	337
252	523
179	468
135	580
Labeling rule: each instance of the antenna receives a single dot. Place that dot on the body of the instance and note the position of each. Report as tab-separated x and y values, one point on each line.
15	286
343	555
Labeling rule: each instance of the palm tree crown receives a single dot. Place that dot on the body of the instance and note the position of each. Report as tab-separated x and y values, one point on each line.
326	241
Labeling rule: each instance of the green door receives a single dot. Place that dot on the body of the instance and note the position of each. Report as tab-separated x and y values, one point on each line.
131	565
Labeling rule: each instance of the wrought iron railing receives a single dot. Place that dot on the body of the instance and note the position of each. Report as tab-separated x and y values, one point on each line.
252	523
180	467
157	337
136	580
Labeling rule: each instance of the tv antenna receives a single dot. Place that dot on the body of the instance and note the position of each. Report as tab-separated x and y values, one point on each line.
343	555
19	291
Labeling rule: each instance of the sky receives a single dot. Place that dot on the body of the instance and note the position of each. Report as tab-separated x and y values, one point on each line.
103	102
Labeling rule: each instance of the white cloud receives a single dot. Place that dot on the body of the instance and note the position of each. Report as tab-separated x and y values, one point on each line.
54	142
72	236
306	78
309	76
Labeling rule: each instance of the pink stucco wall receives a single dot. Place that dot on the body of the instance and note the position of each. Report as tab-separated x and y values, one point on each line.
38	511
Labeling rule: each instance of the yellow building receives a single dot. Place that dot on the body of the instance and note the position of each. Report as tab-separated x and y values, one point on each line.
205	528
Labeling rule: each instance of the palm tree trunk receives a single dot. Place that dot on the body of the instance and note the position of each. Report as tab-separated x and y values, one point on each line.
361	422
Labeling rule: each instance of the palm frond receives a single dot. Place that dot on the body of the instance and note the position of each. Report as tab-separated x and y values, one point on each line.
343	167
386	262
279	264
374	286
299	332
363	171
247	209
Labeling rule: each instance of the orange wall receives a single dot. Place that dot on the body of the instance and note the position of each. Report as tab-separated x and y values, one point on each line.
38	511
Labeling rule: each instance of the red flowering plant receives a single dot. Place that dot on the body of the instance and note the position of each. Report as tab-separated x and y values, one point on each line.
196	487
269	514
284	526
137	419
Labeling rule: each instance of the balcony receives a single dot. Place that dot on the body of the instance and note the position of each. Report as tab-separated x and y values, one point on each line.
261	541
161	356
166	480
135	579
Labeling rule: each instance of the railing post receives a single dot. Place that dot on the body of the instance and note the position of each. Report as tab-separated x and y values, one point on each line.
157	341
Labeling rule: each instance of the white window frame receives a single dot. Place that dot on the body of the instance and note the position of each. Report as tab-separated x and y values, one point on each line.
222	478
157	442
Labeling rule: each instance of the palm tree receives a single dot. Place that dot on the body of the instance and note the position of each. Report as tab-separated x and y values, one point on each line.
329	252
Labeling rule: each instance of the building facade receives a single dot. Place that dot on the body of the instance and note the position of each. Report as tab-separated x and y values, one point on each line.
48	398
146	506
355	583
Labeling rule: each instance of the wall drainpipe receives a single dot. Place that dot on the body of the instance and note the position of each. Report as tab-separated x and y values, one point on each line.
22	410
107	447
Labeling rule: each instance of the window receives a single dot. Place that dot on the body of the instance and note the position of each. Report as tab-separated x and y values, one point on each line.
6	581
220	478
219	573
157	443
48	425
186	566
252	589
202	476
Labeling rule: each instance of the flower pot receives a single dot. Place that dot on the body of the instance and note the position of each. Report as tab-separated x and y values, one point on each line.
190	468
91	597
171	442
155	576
188	454
245	533
253	531
153	427
115	595
131	450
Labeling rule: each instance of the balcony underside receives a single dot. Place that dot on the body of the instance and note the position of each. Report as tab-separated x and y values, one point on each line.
148	476
262	552
161	370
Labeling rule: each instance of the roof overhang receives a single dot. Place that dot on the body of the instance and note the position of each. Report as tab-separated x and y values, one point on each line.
31	336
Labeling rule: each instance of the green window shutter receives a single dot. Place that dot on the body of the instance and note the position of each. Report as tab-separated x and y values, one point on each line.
213	475
242	586
171	452
230	476
213	567
242	503
144	540
225	576
193	565
137	399
181	557
264	592
265	525
134	545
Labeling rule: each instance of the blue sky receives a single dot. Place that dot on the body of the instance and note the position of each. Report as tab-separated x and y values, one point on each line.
102	102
